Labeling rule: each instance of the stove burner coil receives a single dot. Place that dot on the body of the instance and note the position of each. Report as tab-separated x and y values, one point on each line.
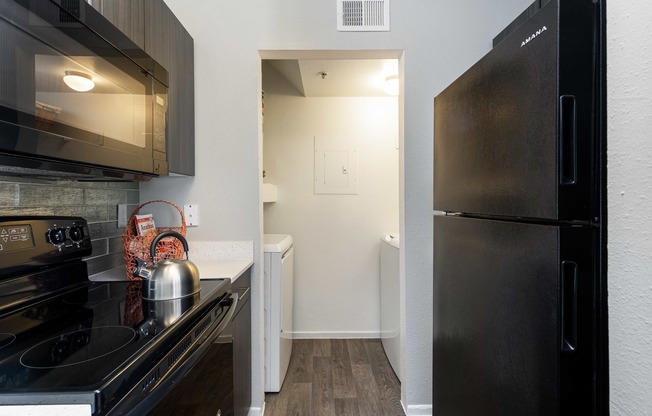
6	339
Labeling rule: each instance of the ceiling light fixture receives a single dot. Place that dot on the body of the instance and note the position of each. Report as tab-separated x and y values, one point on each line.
391	85
79	81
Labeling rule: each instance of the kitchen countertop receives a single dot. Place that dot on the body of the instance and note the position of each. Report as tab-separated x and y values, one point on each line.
211	269
208	269
214	259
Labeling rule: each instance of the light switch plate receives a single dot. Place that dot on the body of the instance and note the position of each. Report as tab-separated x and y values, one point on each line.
122	215
191	212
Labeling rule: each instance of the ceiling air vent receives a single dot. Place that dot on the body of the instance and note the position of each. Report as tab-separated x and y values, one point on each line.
363	15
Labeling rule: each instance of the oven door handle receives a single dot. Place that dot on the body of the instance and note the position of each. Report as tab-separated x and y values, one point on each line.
233	299
232	303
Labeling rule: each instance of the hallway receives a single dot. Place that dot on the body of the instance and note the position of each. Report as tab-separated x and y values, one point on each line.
337	377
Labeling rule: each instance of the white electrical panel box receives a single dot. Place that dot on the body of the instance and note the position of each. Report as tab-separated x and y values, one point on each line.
336	165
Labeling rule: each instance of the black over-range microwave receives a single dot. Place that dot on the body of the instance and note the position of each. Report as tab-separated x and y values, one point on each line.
77	96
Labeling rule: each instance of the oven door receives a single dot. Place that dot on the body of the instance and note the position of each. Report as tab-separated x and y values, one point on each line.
207	390
174	365
213	387
69	96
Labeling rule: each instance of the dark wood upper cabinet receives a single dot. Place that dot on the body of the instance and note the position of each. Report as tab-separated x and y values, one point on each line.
126	15
158	33
168	42
152	25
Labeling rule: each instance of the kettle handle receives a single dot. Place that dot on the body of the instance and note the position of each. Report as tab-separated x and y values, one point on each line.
169	233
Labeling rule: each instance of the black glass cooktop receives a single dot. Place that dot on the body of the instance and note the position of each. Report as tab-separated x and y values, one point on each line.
96	334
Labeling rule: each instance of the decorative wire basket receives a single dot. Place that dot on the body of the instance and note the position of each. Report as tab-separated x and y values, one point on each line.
138	246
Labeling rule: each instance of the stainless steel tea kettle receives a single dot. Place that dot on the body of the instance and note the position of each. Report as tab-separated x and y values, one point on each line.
168	278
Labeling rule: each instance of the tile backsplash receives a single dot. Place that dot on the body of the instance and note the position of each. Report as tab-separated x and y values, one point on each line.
97	202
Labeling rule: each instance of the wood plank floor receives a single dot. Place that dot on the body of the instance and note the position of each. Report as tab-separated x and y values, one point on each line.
337	377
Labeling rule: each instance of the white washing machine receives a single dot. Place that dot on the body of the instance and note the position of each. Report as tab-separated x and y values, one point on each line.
279	282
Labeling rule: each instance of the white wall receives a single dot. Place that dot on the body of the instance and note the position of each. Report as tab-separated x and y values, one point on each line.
630	207
336	237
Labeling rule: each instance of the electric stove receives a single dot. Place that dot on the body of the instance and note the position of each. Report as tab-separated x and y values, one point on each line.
67	340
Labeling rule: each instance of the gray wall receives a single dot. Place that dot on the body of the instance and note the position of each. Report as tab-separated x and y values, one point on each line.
436	39
630	206
95	201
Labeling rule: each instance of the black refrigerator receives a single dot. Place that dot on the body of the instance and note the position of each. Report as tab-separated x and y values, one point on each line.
519	312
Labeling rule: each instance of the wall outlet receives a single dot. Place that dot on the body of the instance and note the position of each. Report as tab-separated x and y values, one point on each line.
122	215
191	212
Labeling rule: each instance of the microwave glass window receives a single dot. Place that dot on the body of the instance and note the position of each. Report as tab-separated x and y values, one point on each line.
111	109
114	109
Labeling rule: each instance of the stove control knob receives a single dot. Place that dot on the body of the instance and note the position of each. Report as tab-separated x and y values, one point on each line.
76	234
56	236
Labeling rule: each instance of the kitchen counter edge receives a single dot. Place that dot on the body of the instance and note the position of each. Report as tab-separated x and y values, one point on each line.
208	269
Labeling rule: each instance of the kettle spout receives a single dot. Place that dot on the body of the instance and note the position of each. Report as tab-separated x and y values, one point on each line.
141	269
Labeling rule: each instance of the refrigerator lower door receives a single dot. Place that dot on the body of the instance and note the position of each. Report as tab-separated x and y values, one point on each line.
513	318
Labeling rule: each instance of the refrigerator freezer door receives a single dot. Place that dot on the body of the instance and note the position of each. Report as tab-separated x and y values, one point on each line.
513	317
514	134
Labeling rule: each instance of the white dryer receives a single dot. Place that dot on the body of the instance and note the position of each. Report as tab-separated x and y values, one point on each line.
279	282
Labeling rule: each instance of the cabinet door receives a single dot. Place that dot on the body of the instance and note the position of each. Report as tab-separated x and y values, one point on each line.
242	358
168	42
126	15
181	128
158	19
97	4
242	346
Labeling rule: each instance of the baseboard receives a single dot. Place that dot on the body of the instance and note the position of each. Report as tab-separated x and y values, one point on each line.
335	335
256	411
419	410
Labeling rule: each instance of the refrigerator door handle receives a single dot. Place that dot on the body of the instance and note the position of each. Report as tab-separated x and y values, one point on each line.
567	140
568	306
